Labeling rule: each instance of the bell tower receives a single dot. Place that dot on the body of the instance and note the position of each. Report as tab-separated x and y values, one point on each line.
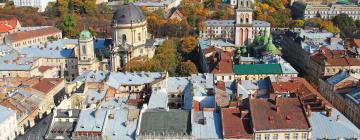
244	23
86	57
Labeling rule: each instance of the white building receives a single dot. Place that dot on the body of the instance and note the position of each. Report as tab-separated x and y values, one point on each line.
8	127
129	31
330	11
40	4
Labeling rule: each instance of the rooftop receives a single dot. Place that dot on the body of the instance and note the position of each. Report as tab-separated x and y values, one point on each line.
284	114
116	79
162	123
235	124
45	85
206	125
54	49
5	113
251	69
91	120
299	86
323	126
19	36
334	58
354	96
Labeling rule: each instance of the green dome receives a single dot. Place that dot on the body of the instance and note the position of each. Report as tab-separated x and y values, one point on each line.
271	48
85	34
243	50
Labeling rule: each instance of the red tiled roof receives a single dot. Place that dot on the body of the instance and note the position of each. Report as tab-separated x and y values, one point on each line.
301	88
357	42
225	64
12	22
221	97
334	57
43	69
4	28
235	124
47	84
18	36
290	114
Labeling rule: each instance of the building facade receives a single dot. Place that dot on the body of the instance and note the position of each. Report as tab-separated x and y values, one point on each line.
129	31
325	11
40	4
242	30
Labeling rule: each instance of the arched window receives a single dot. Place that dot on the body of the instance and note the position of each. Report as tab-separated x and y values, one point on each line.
139	36
83	49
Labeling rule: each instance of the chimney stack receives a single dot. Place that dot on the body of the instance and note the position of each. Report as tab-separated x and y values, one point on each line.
329	112
277	108
337	118
70	113
308	109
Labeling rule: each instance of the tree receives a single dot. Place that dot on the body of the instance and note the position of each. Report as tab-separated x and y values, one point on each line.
329	26
346	25
314	22
67	24
298	23
188	44
187	68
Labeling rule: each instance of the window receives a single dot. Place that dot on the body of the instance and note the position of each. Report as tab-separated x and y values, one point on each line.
267	136
139	36
275	136
123	39
83	49
304	136
287	136
295	136
258	137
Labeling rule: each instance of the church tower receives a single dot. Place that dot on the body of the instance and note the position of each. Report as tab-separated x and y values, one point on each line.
86	56
244	22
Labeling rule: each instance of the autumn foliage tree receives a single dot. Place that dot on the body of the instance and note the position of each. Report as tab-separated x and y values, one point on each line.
187	68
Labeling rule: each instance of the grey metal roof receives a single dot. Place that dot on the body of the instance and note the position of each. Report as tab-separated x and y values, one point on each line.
162	123
127	14
323	126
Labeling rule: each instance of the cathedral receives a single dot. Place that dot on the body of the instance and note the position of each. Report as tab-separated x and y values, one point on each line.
129	33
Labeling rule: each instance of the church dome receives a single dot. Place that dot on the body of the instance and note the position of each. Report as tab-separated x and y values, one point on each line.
85	34
128	13
271	48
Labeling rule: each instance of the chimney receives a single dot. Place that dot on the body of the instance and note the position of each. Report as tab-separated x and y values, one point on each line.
277	108
337	118
70	113
308	109
328	112
196	105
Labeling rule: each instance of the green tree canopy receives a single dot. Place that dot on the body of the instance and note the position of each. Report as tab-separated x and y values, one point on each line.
68	23
346	25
